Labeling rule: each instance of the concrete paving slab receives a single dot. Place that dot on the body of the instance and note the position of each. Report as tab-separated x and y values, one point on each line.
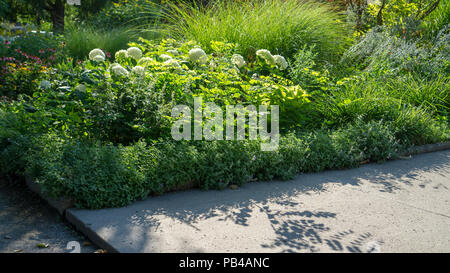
398	206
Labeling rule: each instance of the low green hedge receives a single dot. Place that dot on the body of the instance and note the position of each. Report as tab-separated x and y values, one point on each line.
96	175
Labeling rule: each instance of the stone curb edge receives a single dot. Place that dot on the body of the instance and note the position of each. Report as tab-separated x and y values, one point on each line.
428	148
88	232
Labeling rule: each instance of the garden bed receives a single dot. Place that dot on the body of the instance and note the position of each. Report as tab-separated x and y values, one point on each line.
98	129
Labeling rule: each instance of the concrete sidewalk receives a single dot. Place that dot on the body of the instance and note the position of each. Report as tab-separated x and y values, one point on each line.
26	221
398	206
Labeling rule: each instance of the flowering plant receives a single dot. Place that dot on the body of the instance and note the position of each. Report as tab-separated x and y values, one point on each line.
132	97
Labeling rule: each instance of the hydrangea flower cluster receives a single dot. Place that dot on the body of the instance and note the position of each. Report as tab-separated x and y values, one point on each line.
165	57
45	85
281	62
173	52
172	63
270	59
266	55
197	55
119	70
144	60
134	53
97	55
121	55
238	60
138	70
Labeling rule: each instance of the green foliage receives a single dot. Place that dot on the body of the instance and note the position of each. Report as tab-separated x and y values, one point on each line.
4	8
90	100
98	131
82	39
38	45
375	140
93	175
393	11
283	27
381	51
15	141
90	9
96	175
126	13
19	79
302	72
368	100
439	18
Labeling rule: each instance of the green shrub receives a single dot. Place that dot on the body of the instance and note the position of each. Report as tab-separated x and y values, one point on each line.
93	175
283	27
414	126
127	13
28	45
15	141
96	175
100	104
222	163
432	95
360	100
302	72
20	78
393	11
383	50
375	141
174	165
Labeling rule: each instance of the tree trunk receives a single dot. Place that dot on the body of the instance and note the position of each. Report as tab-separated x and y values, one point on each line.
57	14
380	14
38	21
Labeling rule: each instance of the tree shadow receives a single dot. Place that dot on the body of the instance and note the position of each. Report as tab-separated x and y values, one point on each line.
27	220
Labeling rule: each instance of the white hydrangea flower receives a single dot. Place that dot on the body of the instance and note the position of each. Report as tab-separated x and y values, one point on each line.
235	69
121	54
197	55
281	62
134	53
138	70
81	88
238	60
117	69
45	84
144	60
96	52
212	64
165	57
172	63
99	58
173	52
266	55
